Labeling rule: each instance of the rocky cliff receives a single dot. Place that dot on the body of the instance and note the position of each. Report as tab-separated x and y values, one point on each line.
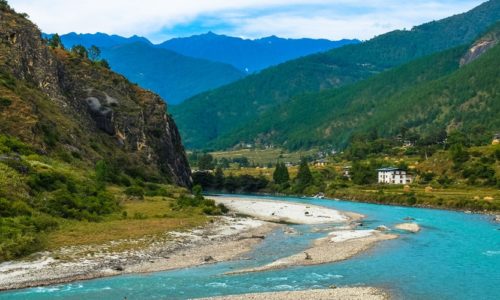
63	103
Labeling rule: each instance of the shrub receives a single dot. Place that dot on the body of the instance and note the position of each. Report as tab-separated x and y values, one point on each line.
4	102
82	207
47	181
135	191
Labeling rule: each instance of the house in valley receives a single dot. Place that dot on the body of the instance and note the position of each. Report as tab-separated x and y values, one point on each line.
346	172
394	176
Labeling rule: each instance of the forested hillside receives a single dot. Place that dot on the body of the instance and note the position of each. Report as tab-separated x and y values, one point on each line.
429	95
208	116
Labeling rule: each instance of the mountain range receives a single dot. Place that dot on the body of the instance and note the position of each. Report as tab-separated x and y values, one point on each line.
237	112
249	55
173	76
183	67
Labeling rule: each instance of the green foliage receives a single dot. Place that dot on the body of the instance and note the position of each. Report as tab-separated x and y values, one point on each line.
4	103
87	206
207	206
47	181
55	41
231	184
218	181
135	191
10	144
267	108
280	175
23	235
80	51
103	63
304	176
50	133
4	5
205	162
94	53
101	174
363	173
458	154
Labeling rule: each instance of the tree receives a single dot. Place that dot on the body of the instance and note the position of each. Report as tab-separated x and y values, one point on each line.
205	162
280	174
4	5
55	41
101	174
363	173
304	176
80	51
219	179
94	53
458	154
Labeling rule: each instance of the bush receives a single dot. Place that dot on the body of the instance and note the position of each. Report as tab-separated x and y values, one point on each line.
4	102
135	191
82	207
12	144
47	181
23	235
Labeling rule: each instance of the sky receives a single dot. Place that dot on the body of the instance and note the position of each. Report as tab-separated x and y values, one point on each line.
159	20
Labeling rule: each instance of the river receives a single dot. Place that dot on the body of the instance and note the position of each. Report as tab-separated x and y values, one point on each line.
454	256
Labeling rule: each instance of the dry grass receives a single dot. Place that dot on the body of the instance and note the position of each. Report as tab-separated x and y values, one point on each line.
152	216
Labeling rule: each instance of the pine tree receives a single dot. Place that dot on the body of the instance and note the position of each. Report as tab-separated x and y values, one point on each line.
304	176
280	174
219	179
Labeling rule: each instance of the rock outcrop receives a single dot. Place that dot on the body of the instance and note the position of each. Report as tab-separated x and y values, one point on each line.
83	106
482	45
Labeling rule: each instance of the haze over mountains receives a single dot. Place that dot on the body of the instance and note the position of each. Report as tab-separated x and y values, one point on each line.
180	68
238	112
249	55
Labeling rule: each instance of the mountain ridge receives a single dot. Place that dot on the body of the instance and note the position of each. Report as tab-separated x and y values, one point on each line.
250	55
242	103
428	95
172	75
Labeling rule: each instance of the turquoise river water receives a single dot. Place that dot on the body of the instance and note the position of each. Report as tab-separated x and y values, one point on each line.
455	256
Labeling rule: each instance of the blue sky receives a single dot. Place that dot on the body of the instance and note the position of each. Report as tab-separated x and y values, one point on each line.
159	20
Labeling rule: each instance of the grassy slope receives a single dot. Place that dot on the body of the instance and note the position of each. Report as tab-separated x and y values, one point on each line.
206	117
149	217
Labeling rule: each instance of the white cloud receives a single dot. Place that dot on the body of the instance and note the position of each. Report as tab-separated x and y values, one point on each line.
331	19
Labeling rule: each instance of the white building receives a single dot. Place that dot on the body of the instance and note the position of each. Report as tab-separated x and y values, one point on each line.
394	176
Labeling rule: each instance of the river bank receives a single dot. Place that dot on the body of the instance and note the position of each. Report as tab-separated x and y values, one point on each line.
286	212
345	293
225	239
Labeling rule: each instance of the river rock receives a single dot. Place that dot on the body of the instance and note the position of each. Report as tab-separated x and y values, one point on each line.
382	228
208	258
118	268
412	227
